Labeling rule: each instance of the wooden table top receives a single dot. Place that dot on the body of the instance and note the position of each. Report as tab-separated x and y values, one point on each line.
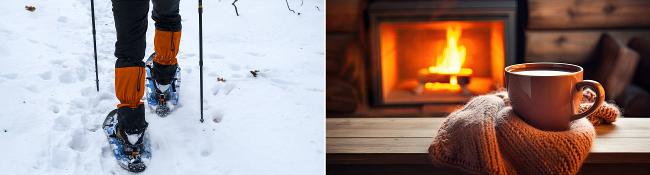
405	141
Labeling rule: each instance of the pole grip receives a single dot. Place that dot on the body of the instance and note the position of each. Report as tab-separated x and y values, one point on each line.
200	7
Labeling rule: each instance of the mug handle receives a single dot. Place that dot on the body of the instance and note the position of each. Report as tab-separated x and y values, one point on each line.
600	96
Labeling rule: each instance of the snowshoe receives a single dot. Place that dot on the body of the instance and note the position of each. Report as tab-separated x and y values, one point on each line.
161	98
130	156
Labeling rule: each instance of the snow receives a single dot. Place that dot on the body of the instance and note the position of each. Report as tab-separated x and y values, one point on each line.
50	122
133	138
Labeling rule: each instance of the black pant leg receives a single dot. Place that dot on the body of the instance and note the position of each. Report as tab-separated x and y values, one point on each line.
166	39
131	27
166	15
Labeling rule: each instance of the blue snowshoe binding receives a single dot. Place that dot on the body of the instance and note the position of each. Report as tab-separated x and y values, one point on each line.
161	98
130	156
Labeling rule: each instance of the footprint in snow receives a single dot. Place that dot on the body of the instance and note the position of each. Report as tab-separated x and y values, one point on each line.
107	161
235	67
189	55
61	124
85	92
57	62
284	84
78	141
54	109
94	127
62	19
281	81
32	88
81	74
215	56
217	116
105	96
236	75
255	54
206	150
46	75
66	78
205	153
226	88
215	90
107	151
9	76
60	158
52	46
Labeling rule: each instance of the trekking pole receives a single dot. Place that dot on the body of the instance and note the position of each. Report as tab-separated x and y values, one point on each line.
92	9
201	53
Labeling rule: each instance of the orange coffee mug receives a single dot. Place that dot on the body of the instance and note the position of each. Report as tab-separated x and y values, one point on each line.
547	95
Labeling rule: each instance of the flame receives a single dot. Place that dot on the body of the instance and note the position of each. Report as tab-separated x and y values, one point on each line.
450	62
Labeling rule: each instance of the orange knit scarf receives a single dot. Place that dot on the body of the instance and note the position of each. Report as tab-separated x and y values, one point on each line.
486	137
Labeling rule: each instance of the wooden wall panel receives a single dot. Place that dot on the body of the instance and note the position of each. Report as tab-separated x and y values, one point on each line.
344	15
583	14
335	45
570	46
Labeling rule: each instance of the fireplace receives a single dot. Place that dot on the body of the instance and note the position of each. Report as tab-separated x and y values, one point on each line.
426	52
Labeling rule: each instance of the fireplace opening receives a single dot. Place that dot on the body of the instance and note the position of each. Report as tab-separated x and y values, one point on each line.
440	61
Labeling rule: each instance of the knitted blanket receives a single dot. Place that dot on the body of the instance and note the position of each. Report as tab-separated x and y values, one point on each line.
487	137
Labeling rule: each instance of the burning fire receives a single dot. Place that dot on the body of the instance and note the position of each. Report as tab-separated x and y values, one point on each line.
450	62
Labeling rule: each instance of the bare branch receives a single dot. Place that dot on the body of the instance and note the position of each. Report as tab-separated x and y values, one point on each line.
287	1
233	4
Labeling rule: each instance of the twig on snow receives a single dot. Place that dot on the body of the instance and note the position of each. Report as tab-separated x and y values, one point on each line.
287	1
255	72
221	79
233	4
30	8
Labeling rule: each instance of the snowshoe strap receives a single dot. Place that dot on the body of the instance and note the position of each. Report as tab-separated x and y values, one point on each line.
131	150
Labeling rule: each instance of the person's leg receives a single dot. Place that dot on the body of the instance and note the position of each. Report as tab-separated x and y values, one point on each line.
131	26
166	39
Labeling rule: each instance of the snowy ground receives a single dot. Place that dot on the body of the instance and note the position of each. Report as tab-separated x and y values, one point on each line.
273	124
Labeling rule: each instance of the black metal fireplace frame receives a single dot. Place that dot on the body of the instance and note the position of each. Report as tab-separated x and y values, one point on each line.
434	11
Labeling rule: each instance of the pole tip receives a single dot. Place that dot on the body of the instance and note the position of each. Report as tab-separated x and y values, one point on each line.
201	120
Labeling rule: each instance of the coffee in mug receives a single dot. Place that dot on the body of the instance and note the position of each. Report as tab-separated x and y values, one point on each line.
547	95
